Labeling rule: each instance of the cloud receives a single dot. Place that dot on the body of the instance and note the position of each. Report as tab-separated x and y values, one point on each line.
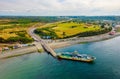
60	7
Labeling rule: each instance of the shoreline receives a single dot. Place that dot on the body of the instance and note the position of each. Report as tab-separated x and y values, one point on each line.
80	40
18	52
57	44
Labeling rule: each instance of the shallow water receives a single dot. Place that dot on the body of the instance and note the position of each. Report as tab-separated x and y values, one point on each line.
43	66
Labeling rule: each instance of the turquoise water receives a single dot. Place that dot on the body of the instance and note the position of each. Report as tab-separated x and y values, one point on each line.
43	66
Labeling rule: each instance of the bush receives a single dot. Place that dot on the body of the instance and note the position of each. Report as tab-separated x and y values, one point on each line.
48	32
97	32
19	39
22	34
2	40
92	33
25	40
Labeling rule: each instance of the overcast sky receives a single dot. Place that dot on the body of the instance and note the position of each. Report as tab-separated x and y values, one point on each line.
59	7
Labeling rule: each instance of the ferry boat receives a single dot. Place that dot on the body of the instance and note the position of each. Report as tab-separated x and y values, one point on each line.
76	57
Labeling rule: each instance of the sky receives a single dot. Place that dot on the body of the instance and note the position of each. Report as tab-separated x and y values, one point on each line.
60	7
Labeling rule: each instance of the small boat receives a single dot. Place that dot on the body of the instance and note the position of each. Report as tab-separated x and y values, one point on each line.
76	57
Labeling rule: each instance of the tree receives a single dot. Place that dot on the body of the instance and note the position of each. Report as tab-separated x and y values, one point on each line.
2	40
13	39
102	25
19	39
64	34
25	40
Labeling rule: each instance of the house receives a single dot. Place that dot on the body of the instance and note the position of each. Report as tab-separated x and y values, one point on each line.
117	27
46	37
25	45
17	46
6	48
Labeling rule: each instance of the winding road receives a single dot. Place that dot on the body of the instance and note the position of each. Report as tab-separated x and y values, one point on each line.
40	42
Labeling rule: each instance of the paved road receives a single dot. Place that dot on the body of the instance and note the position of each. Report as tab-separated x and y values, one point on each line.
30	49
40	42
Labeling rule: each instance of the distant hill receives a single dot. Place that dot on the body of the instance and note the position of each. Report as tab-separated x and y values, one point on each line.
58	18
113	18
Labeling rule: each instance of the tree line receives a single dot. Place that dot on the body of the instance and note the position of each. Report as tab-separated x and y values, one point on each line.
19	39
92	33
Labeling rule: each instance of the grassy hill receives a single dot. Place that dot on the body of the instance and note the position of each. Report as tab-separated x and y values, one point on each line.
73	28
14	28
10	30
69	29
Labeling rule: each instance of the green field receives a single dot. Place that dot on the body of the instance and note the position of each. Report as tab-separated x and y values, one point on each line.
67	29
72	28
14	31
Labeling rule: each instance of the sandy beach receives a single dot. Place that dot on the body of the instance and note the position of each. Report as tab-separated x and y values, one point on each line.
18	52
71	41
